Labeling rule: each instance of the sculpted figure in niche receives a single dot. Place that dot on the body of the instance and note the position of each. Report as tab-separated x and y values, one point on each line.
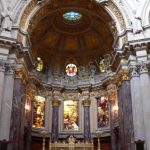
6	20
92	70
137	25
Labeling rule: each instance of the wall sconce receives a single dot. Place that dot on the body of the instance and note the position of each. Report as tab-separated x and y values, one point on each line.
115	111
27	108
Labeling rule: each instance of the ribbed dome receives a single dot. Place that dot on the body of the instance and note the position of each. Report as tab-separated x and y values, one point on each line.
81	41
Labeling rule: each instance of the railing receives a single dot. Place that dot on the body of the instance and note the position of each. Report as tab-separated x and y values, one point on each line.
71	146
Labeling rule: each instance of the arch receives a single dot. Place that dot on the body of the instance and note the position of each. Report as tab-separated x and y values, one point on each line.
146	13
31	8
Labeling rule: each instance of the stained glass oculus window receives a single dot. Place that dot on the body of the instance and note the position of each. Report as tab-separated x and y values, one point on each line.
72	16
71	70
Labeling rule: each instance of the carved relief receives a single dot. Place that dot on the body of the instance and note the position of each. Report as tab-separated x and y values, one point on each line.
27	12
117	13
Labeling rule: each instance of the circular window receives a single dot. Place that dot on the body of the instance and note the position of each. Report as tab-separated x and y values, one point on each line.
72	16
71	70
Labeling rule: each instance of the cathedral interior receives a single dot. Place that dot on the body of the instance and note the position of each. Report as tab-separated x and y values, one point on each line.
74	75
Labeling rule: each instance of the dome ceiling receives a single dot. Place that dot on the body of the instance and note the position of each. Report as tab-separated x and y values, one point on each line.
56	39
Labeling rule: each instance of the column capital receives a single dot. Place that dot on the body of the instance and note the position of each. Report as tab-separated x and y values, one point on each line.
86	102
56	102
21	74
122	76
133	71
143	68
9	68
2	65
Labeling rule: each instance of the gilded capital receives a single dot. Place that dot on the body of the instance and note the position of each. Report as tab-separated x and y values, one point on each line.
86	102
122	76
56	102
21	74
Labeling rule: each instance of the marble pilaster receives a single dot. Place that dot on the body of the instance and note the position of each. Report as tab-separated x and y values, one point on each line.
112	96
145	90
30	93
126	132
2	71
138	121
16	136
87	128
7	102
55	119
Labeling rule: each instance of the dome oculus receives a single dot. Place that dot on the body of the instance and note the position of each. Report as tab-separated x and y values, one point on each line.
72	16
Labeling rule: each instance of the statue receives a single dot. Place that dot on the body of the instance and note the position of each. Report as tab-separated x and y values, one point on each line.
71	140
137	25
93	69
7	20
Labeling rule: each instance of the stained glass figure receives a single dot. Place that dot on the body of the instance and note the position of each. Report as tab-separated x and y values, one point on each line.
71	121
71	70
103	112
72	16
39	113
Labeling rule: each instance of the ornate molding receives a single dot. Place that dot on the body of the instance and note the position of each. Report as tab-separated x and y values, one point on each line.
110	4
27	12
117	13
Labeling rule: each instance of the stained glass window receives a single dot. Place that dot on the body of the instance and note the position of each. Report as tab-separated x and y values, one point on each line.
71	70
103	112
72	16
71	120
39	112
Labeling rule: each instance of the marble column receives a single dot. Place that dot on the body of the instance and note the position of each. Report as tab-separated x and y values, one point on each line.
2	71
145	90
17	116
136	92
55	119
87	128
112	96
7	102
125	117
30	93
